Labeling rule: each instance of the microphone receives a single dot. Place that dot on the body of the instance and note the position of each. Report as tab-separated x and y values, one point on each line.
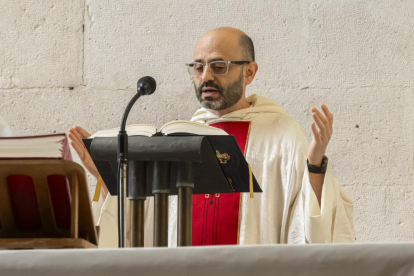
146	85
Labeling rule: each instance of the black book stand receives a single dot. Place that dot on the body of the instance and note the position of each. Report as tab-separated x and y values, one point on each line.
160	166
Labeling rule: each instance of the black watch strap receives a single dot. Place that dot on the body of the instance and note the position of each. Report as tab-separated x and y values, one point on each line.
316	169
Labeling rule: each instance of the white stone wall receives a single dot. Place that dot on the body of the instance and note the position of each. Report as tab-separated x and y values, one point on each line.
66	63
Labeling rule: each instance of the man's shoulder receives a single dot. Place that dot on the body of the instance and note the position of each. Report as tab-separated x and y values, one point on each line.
276	122
278	125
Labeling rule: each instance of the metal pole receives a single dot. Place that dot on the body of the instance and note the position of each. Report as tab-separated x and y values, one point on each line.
185	185
185	207
161	220
137	222
137	181
121	207
161	190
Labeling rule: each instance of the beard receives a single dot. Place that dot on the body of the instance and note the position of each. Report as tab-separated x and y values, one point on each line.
228	96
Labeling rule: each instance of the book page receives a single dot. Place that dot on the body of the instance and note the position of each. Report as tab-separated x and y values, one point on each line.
132	130
47	146
187	127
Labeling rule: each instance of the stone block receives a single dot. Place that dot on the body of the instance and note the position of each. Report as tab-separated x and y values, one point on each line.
41	43
382	213
125	41
357	44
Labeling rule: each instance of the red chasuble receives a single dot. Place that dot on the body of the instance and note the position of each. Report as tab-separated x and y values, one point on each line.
216	217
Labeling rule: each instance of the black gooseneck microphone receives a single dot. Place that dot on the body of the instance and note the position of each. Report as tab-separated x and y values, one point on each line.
145	86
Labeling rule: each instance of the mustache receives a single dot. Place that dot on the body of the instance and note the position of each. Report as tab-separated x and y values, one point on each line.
209	84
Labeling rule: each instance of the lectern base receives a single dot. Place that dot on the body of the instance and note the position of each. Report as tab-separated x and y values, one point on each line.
160	220
137	222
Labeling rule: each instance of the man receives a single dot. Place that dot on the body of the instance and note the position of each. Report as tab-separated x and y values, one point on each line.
301	201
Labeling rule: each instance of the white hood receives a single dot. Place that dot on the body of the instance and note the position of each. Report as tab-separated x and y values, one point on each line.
258	105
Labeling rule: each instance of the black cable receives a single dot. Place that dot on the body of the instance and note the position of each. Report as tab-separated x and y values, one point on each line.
118	177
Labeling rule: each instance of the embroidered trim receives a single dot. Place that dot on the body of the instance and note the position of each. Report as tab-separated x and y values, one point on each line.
204	226
250	181
222	157
214	232
241	195
247	139
98	189
217	203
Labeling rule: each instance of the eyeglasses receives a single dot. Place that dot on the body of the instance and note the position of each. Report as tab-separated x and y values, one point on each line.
216	67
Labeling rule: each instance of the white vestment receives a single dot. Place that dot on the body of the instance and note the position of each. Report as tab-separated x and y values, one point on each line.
287	211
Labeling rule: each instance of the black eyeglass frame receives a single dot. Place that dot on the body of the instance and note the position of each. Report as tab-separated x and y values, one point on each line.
191	64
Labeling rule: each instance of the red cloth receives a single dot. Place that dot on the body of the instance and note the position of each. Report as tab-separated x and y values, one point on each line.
24	203
216	217
25	207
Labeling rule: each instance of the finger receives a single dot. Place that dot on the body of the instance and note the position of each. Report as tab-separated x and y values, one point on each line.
320	115
328	114
326	121
74	132
75	141
72	135
321	126
77	135
82	132
79	150
316	134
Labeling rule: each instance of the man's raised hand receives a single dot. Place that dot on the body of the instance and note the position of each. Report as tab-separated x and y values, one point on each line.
322	133
76	134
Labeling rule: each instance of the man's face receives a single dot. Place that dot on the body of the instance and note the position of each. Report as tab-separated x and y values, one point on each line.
216	97
218	92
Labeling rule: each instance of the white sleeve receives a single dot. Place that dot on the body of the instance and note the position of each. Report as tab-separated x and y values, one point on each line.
108	223
96	209
105	216
332	222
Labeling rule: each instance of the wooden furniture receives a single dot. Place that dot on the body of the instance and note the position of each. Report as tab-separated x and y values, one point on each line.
22	230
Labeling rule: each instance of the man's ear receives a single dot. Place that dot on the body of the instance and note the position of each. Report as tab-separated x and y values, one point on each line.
250	71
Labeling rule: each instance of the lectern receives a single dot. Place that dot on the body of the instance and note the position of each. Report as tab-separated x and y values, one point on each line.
44	203
160	166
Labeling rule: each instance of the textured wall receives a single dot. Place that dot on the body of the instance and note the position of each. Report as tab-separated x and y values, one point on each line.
66	63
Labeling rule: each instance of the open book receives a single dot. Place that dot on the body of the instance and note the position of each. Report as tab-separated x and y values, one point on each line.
177	127
227	163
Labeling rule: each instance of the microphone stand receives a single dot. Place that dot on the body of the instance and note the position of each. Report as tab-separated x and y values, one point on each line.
123	169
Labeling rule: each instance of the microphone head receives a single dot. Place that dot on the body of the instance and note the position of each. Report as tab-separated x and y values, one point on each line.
149	84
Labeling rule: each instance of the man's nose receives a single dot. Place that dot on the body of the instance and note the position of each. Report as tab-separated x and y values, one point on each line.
207	75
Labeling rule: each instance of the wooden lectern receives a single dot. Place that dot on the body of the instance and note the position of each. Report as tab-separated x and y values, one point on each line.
44	203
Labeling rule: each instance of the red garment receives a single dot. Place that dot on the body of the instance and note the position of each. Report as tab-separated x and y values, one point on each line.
216	217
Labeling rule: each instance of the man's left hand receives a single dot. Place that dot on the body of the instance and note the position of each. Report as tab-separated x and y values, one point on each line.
322	133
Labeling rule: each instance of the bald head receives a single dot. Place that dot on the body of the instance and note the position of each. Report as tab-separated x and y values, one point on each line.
226	39
223	92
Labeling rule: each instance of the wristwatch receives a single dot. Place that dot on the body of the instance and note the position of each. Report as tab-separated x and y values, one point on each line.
316	169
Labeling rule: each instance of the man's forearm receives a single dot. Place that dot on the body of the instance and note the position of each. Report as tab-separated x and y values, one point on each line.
316	180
